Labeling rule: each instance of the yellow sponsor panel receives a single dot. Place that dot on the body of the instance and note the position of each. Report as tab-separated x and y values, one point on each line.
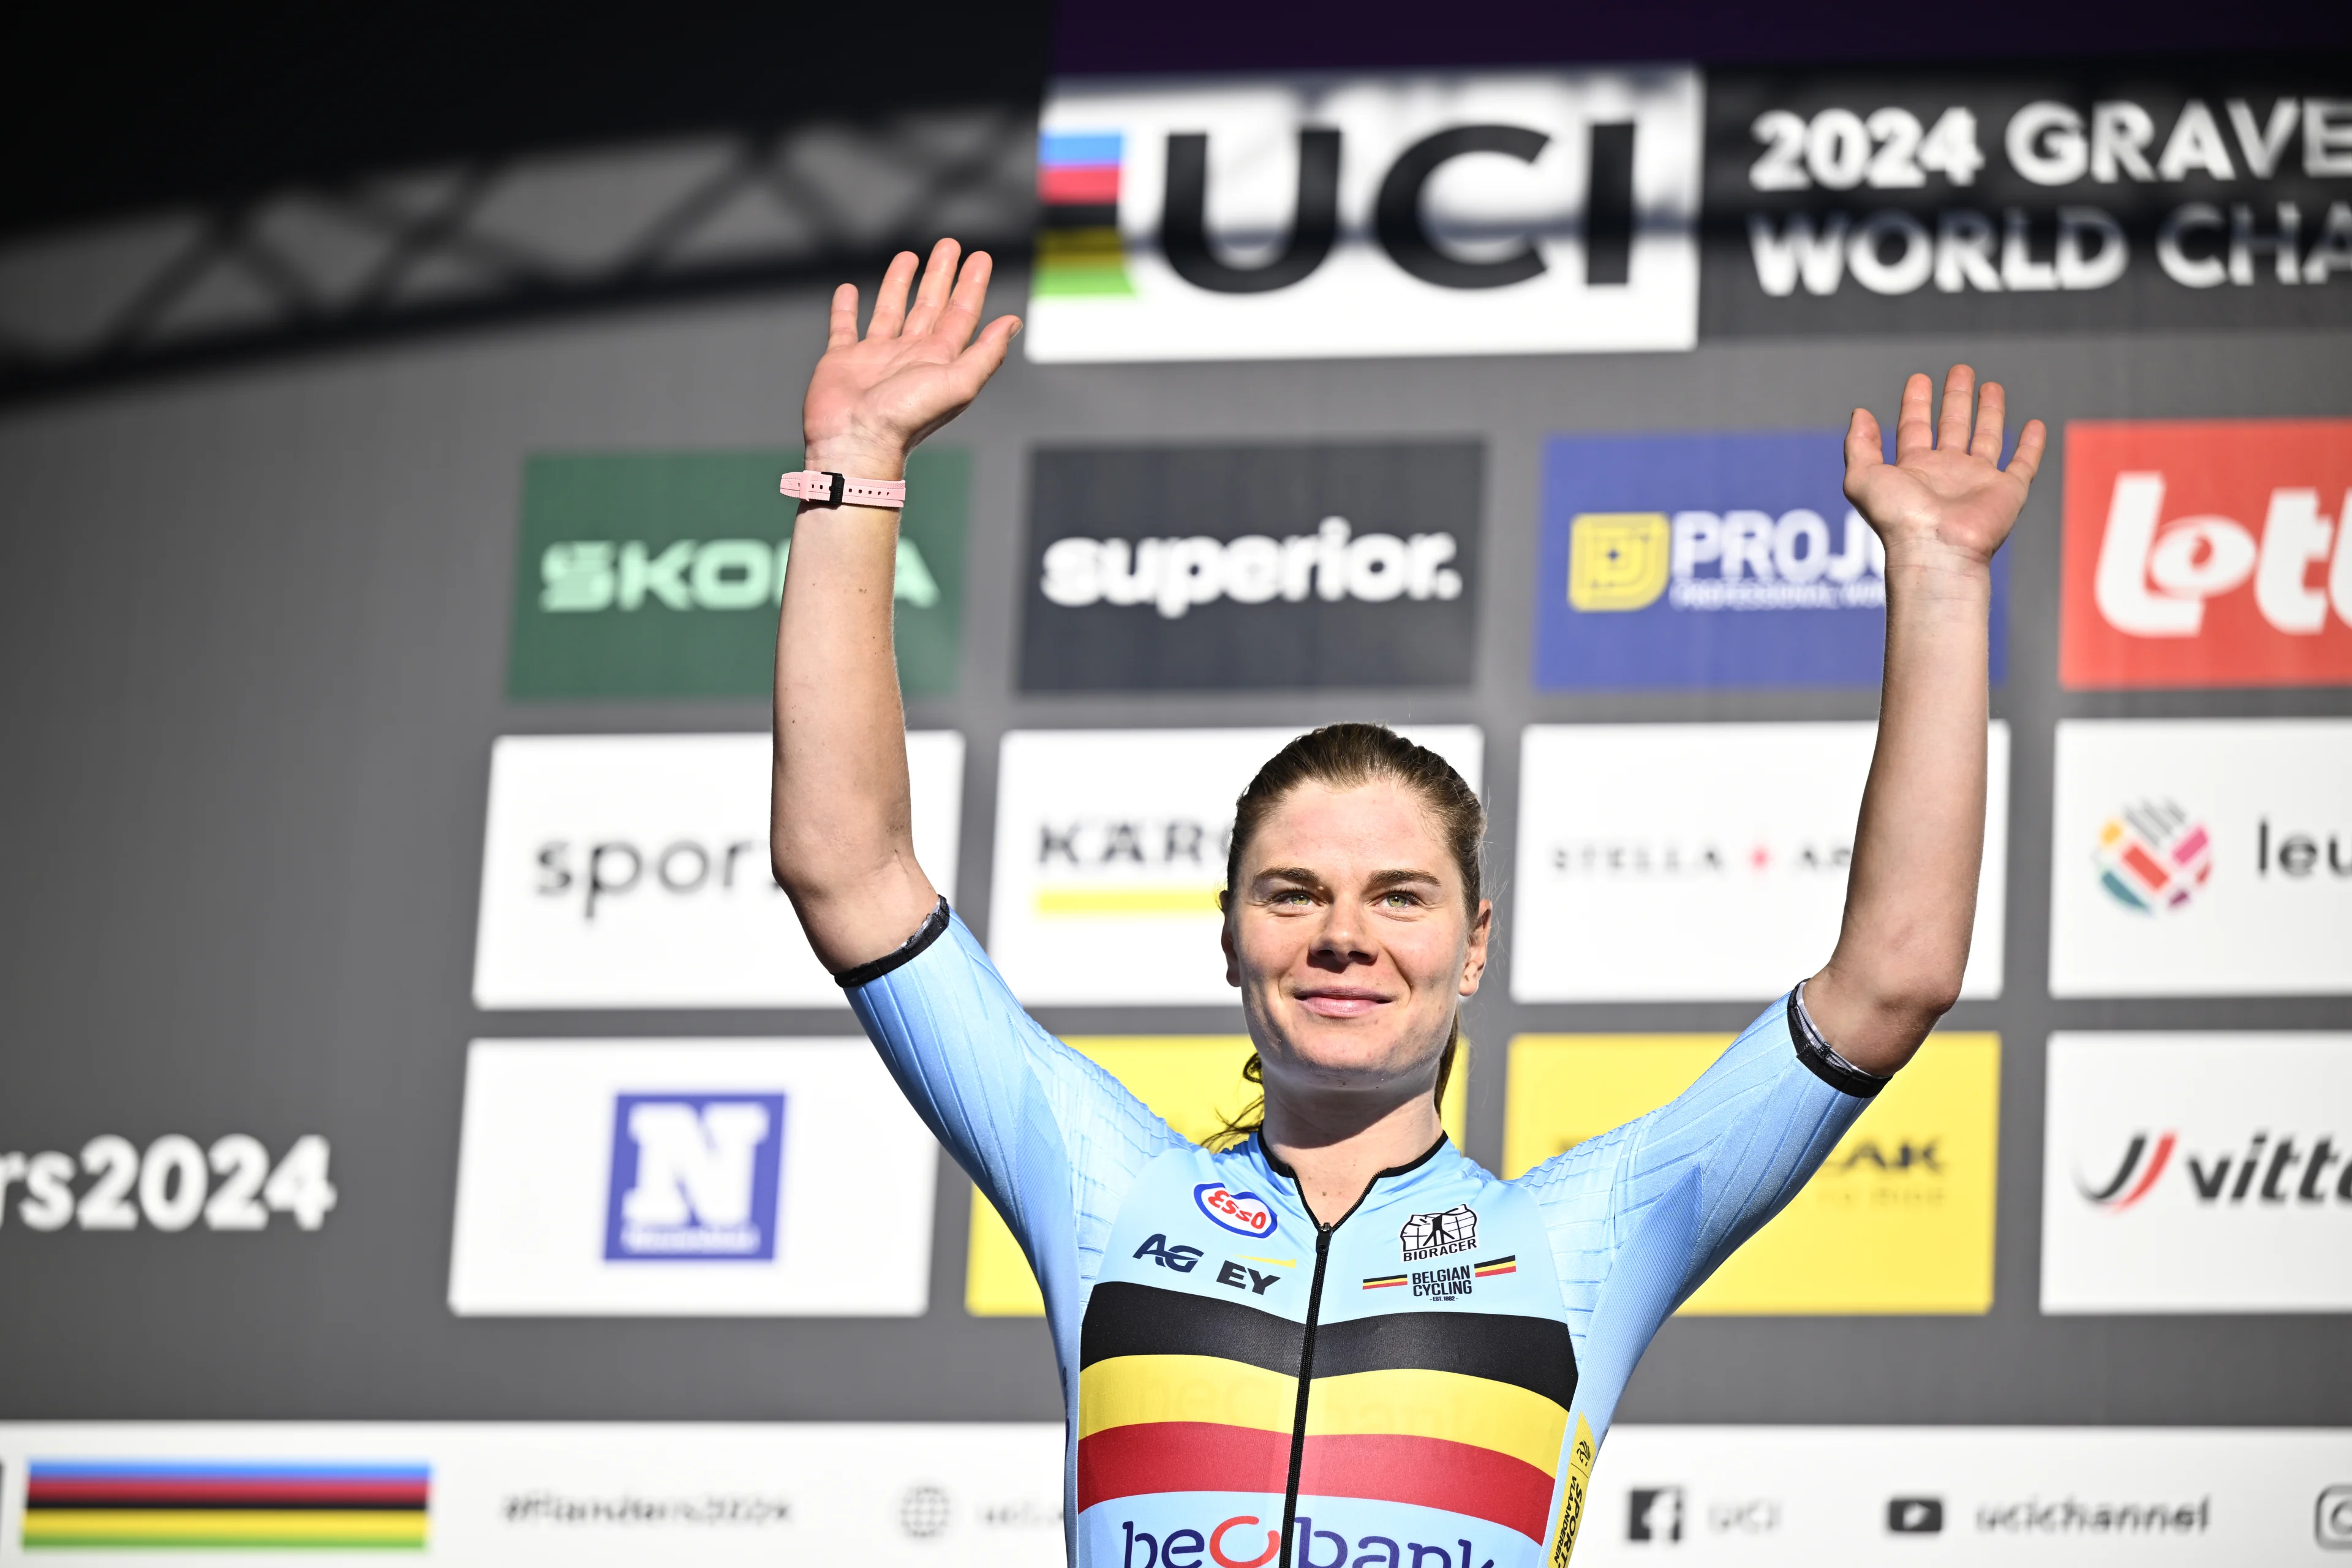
1617	560
1195	1082
1898	1219
1089	903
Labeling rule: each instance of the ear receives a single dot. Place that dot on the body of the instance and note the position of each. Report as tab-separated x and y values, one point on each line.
1225	941
1474	965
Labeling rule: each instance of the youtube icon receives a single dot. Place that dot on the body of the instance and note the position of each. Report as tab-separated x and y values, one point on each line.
2207	553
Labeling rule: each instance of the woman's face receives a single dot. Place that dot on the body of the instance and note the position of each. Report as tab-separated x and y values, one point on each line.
1351	936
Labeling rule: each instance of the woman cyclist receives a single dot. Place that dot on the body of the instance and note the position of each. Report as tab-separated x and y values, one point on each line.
1339	1342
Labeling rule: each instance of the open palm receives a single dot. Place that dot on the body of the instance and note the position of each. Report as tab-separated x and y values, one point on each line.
872	398
1945	486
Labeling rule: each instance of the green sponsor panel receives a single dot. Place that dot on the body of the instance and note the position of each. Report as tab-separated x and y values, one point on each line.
659	573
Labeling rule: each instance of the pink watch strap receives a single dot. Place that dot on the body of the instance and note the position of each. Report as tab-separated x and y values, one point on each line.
826	487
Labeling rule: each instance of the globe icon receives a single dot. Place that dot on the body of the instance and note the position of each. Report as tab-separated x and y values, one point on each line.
923	1511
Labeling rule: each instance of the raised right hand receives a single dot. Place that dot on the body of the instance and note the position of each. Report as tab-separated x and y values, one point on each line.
872	398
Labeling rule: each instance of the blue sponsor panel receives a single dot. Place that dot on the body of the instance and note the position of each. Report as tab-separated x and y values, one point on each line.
1723	561
694	1178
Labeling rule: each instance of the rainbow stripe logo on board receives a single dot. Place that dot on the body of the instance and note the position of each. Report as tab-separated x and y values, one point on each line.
2154	857
210	1505
1080	251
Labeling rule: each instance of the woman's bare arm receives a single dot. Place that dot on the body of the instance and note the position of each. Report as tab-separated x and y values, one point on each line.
1942	508
840	838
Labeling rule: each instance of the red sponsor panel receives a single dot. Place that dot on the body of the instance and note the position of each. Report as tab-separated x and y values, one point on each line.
2207	552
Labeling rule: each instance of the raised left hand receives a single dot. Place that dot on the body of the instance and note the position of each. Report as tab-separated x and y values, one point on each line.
1946	489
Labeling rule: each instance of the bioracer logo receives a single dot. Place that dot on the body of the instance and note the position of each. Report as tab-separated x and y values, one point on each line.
1428	1236
1244	1214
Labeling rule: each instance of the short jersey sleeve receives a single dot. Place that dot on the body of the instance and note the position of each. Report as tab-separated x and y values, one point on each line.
1641	1215
1052	1139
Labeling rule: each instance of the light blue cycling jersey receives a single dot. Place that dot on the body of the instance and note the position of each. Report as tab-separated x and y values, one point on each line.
1423	1383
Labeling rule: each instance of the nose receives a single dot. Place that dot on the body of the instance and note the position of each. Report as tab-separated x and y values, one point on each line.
1340	942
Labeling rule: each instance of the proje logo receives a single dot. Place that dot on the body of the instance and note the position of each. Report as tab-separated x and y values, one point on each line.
2208	554
2264	1169
1727	560
694	1178
2153	857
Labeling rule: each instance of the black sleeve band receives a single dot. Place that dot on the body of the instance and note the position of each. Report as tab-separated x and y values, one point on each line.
1825	1062
906	952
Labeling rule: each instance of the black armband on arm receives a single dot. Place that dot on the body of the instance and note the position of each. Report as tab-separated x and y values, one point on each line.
859	974
1821	1058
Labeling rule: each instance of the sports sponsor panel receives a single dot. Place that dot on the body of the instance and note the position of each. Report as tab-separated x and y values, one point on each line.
1705	861
2022	200
1251	566
2201	857
1194	1083
2207	552
2198	1172
1727	560
1898	1219
660	574
1111	842
495	1493
1323	216
632	872
688	1178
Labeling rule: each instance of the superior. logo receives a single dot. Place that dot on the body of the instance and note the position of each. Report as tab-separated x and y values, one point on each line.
1244	1214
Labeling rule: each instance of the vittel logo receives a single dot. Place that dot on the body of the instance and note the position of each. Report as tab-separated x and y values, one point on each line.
2264	1170
1332	564
694	1178
2155	573
1244	1214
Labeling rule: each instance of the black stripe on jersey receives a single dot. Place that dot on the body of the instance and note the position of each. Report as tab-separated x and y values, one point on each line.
1124	1319
1533	1353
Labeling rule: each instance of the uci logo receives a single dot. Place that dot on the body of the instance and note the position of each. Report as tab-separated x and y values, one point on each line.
1244	1214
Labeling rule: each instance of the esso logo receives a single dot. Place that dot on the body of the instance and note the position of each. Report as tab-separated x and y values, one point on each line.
1244	1214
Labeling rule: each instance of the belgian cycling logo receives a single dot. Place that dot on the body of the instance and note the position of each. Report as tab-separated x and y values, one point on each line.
694	1177
1436	1235
1244	1214
2153	857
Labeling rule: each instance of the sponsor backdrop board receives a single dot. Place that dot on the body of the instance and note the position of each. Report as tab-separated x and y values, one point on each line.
1703	861
632	872
2198	1172
1319	217
659	573
1898	1219
2207	857
1712	561
685	1178
1113	842
1195	1084
2207	552
1176	568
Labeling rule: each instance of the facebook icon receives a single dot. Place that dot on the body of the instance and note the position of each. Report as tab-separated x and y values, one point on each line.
695	1178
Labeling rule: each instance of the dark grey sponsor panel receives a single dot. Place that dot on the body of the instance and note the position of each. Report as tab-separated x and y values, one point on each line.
1193	568
2111	198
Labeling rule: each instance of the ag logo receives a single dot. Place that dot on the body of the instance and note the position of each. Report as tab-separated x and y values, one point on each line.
1244	1214
694	1178
1436	1235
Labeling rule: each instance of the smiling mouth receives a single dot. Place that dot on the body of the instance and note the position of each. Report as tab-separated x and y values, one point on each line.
1341	1002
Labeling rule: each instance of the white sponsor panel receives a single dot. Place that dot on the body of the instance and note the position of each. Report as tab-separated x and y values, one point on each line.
1327	216
1705	861
2201	857
690	1178
632	872
1112	843
2196	1172
581	1494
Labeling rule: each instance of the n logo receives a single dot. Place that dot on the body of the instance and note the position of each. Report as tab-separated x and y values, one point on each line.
694	1177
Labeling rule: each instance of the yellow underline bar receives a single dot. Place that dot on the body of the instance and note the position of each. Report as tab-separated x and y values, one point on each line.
1144	900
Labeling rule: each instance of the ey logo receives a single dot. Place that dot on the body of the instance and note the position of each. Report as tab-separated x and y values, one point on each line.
1617	560
694	1177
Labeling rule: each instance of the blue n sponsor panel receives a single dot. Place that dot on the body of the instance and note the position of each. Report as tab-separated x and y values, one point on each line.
694	1178
1727	560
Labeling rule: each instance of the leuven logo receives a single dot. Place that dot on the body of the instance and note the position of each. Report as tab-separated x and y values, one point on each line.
2153	857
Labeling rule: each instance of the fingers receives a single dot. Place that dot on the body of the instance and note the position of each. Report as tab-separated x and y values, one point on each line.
1991	407
939	278
1913	433
1864	446
1959	385
978	363
956	322
2029	442
841	332
890	299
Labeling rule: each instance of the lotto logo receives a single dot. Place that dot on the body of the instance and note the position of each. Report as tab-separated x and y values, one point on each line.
2207	552
694	1178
